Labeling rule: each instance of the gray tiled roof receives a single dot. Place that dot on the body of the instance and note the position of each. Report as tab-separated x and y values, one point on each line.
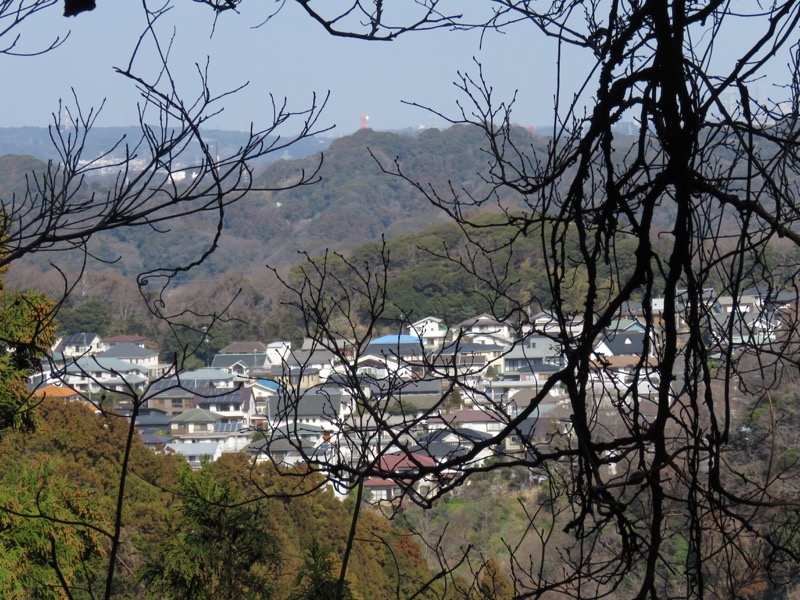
324	403
625	343
250	360
196	415
91	364
244	348
126	350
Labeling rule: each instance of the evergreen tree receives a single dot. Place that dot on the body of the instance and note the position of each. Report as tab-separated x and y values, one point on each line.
221	547
317	580
44	548
27	330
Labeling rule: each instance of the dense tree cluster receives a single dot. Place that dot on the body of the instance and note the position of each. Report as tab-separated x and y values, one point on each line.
210	533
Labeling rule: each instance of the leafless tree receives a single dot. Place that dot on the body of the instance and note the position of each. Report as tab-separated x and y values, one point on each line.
647	472
13	15
157	180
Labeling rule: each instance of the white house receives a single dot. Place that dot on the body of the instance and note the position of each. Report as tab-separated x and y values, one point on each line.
487	324
94	374
431	330
79	344
137	355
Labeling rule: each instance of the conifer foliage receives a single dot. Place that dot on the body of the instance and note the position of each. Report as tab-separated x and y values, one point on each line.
27	331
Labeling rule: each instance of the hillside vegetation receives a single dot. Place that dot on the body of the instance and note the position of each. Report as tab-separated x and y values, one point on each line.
228	530
352	203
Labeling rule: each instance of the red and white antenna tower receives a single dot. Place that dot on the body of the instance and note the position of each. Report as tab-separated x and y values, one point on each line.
364	121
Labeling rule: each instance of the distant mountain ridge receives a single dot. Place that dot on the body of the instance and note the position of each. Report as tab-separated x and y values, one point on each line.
36	142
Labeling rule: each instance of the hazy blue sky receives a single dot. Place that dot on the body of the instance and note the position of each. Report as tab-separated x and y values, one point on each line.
290	56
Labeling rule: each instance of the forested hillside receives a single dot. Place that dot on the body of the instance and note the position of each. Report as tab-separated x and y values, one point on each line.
352	202
351	206
228	530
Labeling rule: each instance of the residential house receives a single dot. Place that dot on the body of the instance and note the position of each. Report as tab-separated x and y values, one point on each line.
531	377
707	301
625	343
152	426
753	318
393	356
155	441
546	323
195	453
619	373
94	375
623	359
169	397
383	490
626	324
317	359
442	452
431	330
467	359
340	346
206	377
198	425
194	420
262	389
137	355
179	393
550	417
277	352
245	348
151	421
483	421
235	404
116	340
398	476
242	365
424	395
79	344
531	352
486	324
288	444
378	366
325	407
304	433
280	450
451	441
58	392
299	369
